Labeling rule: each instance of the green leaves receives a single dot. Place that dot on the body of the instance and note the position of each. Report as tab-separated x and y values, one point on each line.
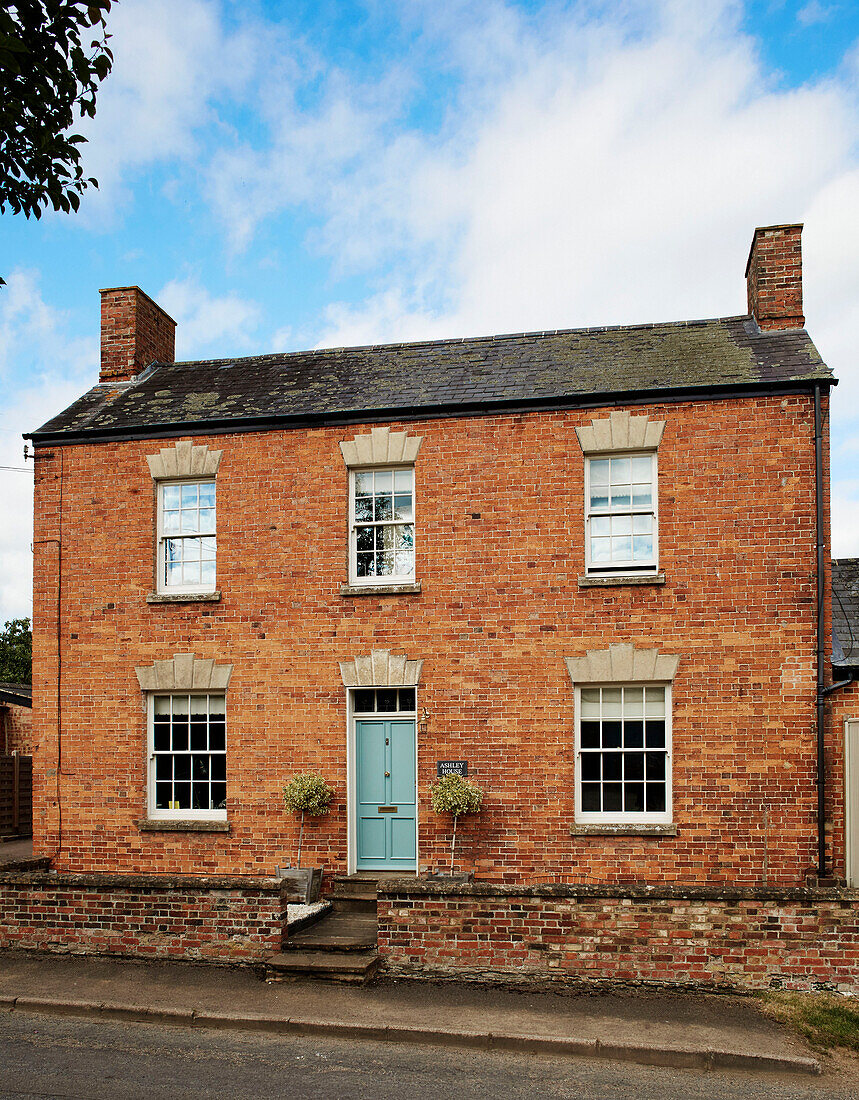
453	794
16	652
47	79
308	793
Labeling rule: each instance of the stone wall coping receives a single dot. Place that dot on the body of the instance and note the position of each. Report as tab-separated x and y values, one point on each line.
405	888
65	880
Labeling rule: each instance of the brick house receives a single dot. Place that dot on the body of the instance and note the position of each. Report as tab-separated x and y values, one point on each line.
584	562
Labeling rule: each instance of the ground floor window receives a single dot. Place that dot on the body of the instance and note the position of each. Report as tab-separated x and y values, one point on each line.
623	753
187	756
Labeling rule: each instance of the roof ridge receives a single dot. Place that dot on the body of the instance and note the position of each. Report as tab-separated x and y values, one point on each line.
455	340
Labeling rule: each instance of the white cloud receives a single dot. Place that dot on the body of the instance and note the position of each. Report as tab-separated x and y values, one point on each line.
845	518
206	323
814	12
172	62
32	334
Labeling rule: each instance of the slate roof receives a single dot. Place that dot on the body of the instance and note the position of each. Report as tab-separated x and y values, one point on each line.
845	612
19	694
514	371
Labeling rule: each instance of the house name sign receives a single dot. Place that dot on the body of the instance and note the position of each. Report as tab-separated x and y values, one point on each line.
451	767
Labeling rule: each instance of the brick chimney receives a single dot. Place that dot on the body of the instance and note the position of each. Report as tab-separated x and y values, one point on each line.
774	277
135	331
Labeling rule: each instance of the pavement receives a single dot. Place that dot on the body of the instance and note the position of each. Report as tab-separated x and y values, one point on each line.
684	1031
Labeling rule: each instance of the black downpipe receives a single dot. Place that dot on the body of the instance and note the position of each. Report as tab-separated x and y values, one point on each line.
821	639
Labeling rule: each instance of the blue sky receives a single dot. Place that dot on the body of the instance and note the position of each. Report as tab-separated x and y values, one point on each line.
312	173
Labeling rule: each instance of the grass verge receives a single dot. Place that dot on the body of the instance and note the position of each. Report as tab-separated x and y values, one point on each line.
825	1019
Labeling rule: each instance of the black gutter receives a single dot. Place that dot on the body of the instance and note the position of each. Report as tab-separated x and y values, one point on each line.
279	421
15	698
821	636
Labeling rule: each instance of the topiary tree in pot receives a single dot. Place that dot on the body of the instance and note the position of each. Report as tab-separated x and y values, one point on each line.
306	793
455	795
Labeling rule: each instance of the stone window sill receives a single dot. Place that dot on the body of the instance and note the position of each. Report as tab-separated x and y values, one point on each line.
623	830
184	597
148	825
635	580
380	589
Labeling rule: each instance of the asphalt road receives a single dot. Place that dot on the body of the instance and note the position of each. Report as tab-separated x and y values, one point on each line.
44	1056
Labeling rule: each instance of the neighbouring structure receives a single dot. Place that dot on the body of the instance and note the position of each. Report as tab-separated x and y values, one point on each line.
590	566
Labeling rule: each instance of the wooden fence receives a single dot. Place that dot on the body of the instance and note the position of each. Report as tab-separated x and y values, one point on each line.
16	796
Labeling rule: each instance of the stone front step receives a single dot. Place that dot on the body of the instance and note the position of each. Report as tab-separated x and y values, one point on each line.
337	932
337	966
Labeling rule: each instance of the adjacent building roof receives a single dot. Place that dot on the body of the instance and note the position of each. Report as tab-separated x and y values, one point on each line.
20	695
571	367
845	612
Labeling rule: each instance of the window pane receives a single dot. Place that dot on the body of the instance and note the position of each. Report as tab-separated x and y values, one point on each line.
170	496
383	508
182	767
364	483
404	563
384	564
633	702
363	509
621	471
180	705
189	495
163	792
654	702
656	766
590	767
181	796
642	548
207	519
218	768
404	537
621	525
642	466
611	702
601	525
207	574
633	734
612	794
190	520
384	482
599	498
599	471
655	797
591	797
590	735
407	698
633	797
611	735
386	699
366	565
403	507
385	538
590	699
633	766
171	522
403	480
217	705
611	765
161	705
366	538
163	769
642	525
201	797
364	700
199	737
207	494
654	734
161	735
641	496
600	550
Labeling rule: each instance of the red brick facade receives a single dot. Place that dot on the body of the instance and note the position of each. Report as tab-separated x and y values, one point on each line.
500	548
135	331
774	277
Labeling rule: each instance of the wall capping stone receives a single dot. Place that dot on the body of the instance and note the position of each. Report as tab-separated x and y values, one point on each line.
381	669
184	672
637	580
622	663
185	459
620	431
380	589
627	829
429	887
381	447
155	825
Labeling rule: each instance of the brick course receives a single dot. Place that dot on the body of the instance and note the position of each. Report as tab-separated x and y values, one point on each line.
16	729
704	939
214	920
500	545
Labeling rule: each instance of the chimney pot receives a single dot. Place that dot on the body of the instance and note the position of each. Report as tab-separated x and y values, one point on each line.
774	277
135	331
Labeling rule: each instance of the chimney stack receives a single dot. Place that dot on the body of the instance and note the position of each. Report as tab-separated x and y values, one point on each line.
774	277
135	331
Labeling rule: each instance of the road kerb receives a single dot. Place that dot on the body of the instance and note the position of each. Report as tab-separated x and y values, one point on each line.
674	1057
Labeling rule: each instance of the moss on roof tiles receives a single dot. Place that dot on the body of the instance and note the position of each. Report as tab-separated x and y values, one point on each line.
487	370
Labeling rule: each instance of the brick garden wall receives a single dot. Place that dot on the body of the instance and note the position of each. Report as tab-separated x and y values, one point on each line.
703	939
16	729
212	920
500	545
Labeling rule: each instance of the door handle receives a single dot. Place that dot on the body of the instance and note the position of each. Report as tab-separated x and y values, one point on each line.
387	775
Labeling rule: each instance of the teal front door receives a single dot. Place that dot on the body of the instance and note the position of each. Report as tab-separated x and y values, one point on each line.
385	771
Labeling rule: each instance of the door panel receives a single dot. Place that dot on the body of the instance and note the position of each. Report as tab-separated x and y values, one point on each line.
386	819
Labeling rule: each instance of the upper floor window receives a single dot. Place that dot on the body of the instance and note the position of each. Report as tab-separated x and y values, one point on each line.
621	513
382	526
186	536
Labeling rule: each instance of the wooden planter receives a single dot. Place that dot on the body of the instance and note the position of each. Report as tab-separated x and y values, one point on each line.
304	883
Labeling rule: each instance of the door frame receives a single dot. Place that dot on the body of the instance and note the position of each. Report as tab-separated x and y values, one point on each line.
851	801
352	775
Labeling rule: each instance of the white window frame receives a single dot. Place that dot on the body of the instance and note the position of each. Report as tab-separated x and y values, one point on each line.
161	585
390	579
175	815
602	569
615	817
